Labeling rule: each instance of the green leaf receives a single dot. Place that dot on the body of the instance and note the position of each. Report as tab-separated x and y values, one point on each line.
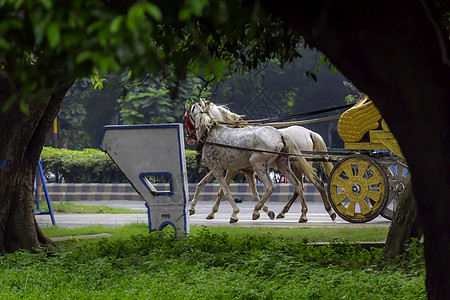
115	24
53	34
83	56
24	107
134	16
4	44
153	11
47	3
184	14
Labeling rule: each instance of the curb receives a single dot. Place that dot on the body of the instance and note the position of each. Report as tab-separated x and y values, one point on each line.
126	192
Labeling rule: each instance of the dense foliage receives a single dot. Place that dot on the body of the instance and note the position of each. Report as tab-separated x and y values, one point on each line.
270	91
212	266
95	166
44	42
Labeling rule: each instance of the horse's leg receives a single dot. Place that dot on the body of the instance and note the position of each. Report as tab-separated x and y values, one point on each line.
223	185
250	176
198	190
262	170
318	183
299	174
282	163
228	177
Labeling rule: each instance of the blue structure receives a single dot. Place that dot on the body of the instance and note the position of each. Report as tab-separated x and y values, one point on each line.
40	174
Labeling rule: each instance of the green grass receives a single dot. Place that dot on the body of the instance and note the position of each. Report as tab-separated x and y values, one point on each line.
116	232
67	207
209	265
312	234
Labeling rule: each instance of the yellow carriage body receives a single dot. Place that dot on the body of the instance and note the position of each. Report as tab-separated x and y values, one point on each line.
365	118
362	186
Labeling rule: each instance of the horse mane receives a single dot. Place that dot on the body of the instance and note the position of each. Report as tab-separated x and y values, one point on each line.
227	114
201	113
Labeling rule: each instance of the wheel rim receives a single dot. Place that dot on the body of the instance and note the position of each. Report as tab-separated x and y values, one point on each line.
398	176
358	189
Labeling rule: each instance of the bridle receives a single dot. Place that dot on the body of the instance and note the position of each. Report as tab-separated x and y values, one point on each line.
191	129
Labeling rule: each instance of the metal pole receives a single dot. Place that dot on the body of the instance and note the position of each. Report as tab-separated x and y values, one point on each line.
55	132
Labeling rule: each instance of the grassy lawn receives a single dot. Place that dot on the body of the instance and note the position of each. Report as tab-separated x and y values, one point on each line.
311	234
211	263
67	207
214	262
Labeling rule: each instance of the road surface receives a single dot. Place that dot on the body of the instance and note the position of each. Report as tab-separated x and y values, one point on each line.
317	216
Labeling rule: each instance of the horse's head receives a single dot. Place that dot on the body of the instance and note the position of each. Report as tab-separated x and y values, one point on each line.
197	119
191	136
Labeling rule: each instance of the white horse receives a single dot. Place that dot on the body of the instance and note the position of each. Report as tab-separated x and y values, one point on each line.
222	114
305	139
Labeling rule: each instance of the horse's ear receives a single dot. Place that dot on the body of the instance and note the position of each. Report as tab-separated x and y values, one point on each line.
188	103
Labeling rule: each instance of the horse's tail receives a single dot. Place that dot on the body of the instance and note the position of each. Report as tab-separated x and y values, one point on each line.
319	145
307	169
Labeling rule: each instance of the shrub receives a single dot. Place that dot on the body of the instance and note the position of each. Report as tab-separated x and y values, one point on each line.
95	166
89	165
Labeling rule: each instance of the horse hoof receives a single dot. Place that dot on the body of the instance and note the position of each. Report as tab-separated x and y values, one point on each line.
233	220
255	216
271	215
333	216
191	212
209	217
280	216
303	220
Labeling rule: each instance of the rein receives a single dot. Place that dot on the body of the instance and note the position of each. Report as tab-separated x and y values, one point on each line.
276	121
309	153
276	124
191	129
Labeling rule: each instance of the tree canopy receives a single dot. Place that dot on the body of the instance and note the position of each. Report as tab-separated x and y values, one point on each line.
43	42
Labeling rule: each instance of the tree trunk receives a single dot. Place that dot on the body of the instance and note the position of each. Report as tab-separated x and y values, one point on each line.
405	225
23	137
394	52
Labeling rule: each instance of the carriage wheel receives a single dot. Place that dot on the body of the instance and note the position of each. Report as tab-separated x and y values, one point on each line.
358	189
398	176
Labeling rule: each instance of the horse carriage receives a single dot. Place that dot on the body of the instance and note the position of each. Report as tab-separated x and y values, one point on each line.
366	180
368	183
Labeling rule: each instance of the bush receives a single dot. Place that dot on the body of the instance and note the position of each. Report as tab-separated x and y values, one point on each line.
196	170
89	165
95	166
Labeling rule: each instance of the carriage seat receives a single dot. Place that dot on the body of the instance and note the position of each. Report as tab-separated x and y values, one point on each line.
358	120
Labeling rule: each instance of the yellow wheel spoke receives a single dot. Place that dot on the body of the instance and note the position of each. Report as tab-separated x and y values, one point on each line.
339	181
363	165
348	170
340	197
375	179
350	211
375	196
365	208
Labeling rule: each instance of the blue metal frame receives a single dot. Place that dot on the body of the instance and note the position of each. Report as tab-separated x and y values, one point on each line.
40	173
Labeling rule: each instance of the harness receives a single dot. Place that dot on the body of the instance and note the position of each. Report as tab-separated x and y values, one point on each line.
191	133
190	127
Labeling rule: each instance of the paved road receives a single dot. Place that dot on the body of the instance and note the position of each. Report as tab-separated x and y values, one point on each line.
316	216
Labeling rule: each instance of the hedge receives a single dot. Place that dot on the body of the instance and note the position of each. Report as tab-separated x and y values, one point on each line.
95	166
